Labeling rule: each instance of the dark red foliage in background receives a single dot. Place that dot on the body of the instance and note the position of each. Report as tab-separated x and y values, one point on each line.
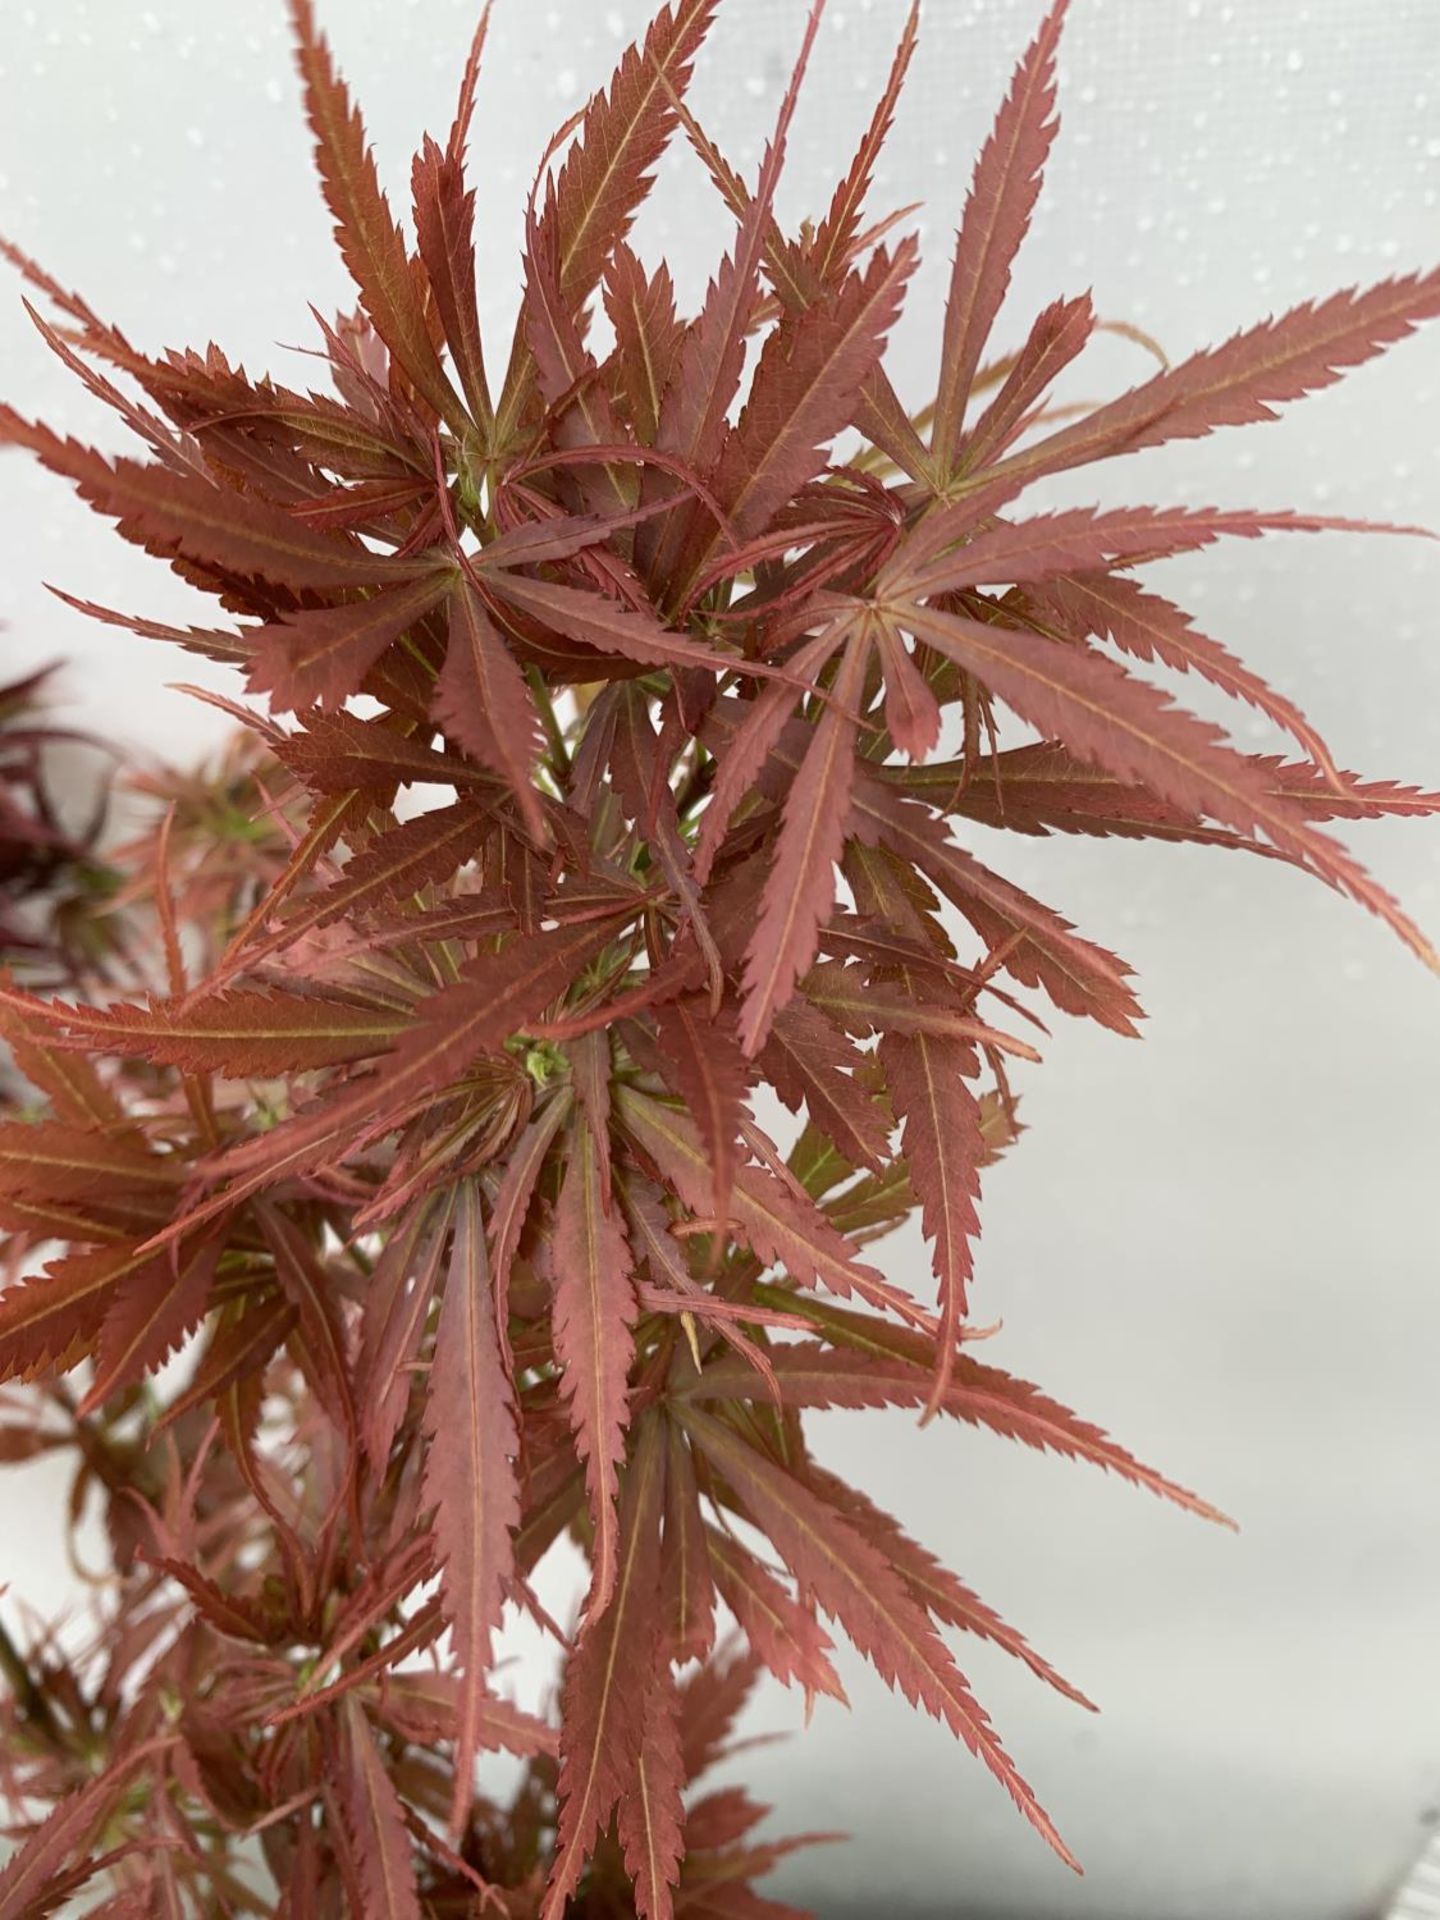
54	887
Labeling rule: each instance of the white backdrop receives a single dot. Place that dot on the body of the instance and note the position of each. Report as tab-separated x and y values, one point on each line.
1221	1243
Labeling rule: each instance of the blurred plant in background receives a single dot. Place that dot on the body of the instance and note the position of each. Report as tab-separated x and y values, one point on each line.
57	917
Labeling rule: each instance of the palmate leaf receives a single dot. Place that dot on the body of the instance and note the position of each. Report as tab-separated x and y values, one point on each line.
444	230
77	1094
396	864
800	887
591	1065
1242	381
95	1222
332	818
622	135
687	1585
483	703
639	762
943	1595
856	1585
838	231
882	1365
338	753
139	419
801	275
1105	714
782	1633
41	1872
494	998
318	657
812	1065
212	642
187	515
241	1343
648	336
580	410
50	1320
235	1615
1059	333
650	1813
496	995
1074	541
47	1159
694	409
623	132
997	213
894	903
1040	948
804	390
459	135
375	1821
988	1397
470	1477
554	536
602	1709
1043	788
602	623
323	1353
710	1073
862	1004
423	1705
927	1076
694	413
776	1221
152	1311
912	712
365	229
751	735
1318	798
1148	627
401	1290
594	1318
242	1034
513	1198
325	432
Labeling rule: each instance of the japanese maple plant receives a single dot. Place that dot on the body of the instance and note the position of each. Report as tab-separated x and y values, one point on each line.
581	965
